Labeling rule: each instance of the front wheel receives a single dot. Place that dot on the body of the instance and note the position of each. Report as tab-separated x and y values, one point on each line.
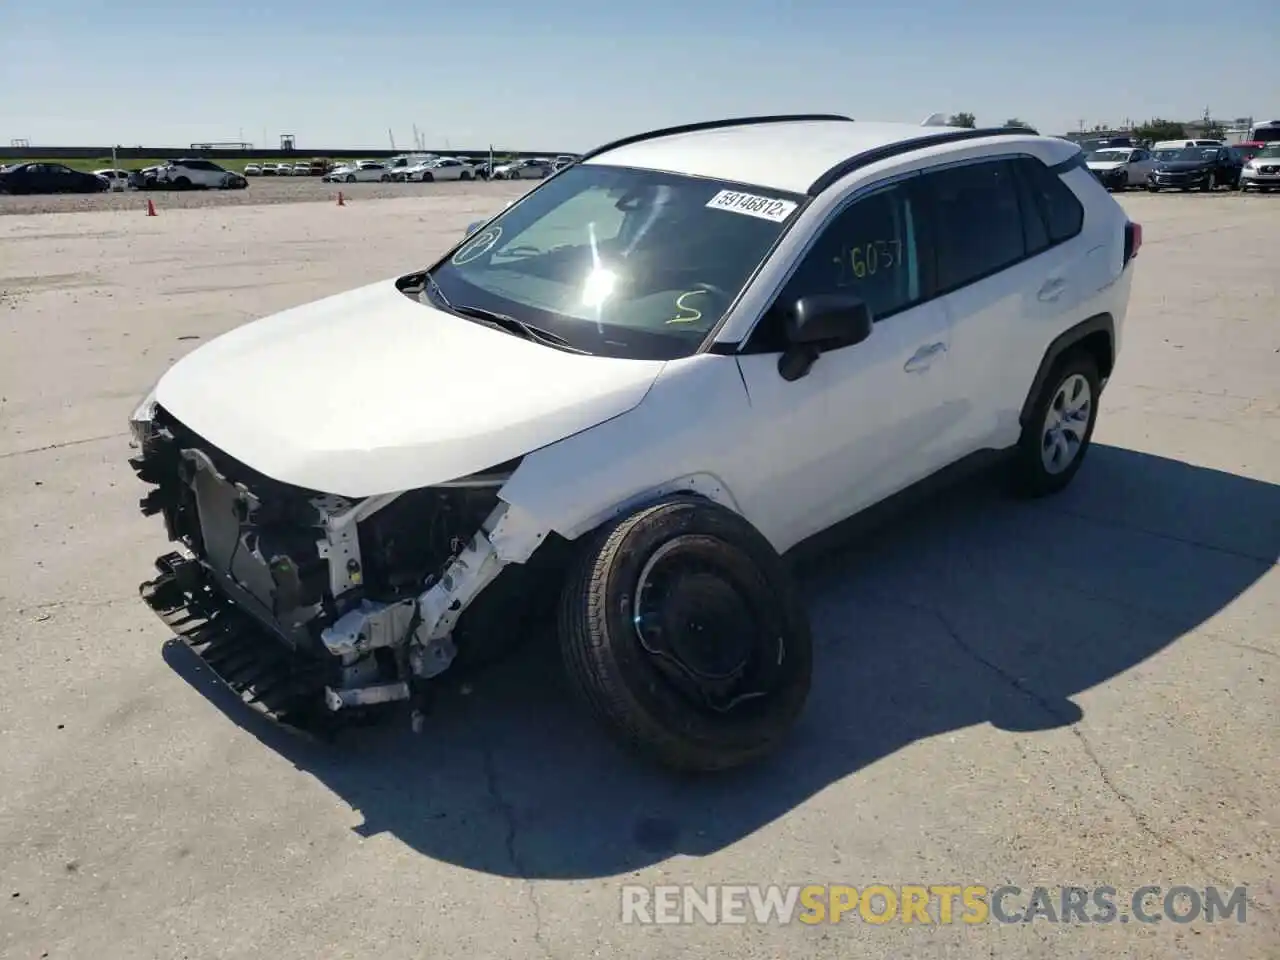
465	176
1057	436
1152	188
681	631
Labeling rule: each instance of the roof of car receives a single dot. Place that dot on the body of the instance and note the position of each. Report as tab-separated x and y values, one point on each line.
787	155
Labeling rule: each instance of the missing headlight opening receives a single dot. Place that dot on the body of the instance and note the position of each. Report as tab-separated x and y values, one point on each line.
309	604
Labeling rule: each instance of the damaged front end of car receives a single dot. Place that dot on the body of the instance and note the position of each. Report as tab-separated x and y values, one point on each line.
312	606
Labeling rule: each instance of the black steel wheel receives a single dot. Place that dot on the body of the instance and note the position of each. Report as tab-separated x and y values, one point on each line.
682	632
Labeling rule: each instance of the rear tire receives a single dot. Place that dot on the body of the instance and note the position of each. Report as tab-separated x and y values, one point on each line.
427	177
351	178
1057	436
679	581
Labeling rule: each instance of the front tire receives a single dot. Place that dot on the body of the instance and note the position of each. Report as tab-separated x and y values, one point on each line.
1057	436
681	631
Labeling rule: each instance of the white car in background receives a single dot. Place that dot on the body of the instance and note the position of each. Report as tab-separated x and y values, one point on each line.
253	170
302	169
444	168
1119	168
195	173
270	169
363	171
117	180
1183	144
522	170
1262	172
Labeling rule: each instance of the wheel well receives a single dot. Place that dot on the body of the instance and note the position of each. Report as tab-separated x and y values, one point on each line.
1098	345
1093	336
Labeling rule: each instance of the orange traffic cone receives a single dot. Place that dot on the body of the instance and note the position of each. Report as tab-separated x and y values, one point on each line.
151	207
341	202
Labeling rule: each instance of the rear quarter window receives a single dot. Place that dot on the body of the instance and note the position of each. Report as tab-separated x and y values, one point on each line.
1057	204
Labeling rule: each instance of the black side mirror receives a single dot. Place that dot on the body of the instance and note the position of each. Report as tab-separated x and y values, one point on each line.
473	227
821	322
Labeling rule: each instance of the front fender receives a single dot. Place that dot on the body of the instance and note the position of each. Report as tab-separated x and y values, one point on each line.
690	433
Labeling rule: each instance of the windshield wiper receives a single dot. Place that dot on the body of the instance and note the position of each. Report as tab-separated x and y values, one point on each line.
430	282
511	325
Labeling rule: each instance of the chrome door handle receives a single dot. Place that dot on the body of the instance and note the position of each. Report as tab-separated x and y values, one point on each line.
922	358
1052	290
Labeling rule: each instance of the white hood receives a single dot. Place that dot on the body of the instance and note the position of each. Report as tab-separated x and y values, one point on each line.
1104	165
371	392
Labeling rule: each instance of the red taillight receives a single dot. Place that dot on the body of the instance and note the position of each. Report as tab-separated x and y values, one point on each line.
1132	240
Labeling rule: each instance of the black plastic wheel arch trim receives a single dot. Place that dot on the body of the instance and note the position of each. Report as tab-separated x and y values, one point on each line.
1099	323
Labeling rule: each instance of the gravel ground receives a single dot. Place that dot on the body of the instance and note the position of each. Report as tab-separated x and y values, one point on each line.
259	191
1077	690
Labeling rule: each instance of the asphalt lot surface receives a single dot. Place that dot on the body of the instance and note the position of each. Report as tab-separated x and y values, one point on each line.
261	190
1075	691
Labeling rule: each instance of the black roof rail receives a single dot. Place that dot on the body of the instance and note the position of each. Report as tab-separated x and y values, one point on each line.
712	125
868	157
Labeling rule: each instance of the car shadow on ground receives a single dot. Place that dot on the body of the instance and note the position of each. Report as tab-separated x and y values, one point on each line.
970	609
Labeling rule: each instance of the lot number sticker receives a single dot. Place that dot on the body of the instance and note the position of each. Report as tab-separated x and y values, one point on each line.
766	208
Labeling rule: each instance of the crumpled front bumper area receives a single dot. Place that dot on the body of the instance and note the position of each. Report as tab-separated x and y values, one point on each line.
286	685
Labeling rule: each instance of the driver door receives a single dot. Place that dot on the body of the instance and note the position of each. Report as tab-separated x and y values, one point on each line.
867	420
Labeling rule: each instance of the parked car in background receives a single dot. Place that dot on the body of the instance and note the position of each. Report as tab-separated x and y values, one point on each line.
563	161
117	180
1198	168
269	169
1262	171
144	179
195	173
1266	132
363	171
522	170
302	168
399	165
1247	150
252	170
1118	168
444	168
49	178
1180	144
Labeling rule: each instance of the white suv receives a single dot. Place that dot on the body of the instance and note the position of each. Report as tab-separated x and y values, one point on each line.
193	172
620	402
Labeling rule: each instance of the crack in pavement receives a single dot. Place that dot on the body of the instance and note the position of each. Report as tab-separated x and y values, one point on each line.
508	814
59	446
1129	803
1187	541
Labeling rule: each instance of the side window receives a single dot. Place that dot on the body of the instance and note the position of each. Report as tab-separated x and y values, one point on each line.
1062	212
977	221
868	250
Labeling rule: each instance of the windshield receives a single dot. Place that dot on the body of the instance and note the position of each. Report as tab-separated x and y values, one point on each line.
1109	156
1269	152
1186	154
620	262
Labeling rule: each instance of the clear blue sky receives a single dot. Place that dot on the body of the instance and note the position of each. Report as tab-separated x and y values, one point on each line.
568	74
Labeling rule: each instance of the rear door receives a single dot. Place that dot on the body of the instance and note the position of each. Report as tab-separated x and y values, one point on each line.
999	228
